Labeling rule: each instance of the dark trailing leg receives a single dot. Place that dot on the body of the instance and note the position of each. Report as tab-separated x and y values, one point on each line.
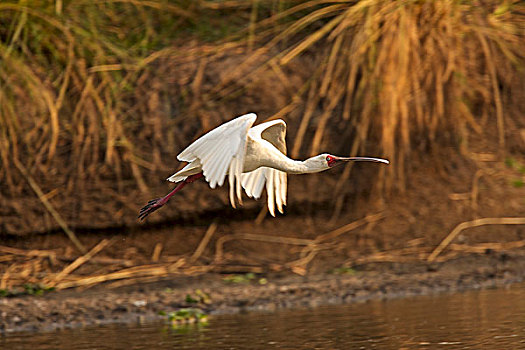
155	204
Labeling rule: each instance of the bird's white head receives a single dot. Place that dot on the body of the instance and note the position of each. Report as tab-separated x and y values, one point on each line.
318	163
326	161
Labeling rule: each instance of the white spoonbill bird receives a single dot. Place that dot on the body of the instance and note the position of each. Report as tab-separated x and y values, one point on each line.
251	157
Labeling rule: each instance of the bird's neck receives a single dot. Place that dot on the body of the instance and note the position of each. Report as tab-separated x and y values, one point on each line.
292	166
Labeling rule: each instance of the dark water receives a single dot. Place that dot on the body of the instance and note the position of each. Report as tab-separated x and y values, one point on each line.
492	319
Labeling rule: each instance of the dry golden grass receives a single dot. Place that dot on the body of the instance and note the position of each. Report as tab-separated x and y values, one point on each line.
44	269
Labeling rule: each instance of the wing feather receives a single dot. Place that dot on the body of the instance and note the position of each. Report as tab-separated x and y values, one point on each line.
223	166
284	187
273	131
220	151
276	186
259	186
253	182
277	190
270	191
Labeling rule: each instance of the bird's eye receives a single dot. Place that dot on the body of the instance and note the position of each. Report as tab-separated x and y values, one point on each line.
328	159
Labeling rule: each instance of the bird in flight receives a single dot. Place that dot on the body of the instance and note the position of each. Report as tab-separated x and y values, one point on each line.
251	157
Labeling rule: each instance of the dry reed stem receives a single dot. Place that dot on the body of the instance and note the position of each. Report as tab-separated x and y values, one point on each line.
157	250
132	272
471	196
203	243
80	261
4	258
495	90
51	255
299	266
482	248
468	224
323	121
289	108
196	87
384	257
105	261
475	189
339	231
219	247
252	25
414	253
311	105
48	206
236	269
411	254
5	278
328	76
349	227
277	70
318	35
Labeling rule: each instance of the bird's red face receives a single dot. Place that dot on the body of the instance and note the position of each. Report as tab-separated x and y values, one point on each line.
331	160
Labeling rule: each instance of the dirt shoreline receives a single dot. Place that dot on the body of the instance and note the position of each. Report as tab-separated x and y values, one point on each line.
71	309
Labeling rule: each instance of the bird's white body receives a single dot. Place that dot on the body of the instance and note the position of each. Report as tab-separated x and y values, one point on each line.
251	157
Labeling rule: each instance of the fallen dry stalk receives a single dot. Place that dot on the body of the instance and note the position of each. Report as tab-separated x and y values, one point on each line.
408	254
156	252
349	227
237	269
255	237
483	247
341	230
299	266
5	258
36	253
132	272
104	261
474	223
80	261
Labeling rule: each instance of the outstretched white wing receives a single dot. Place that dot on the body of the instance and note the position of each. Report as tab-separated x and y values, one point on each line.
253	182
222	151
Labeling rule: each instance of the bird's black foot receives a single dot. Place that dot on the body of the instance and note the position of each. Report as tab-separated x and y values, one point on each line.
149	208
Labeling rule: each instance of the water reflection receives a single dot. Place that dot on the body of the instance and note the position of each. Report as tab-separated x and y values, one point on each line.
493	319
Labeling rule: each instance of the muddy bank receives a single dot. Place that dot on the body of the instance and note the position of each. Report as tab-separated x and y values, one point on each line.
67	309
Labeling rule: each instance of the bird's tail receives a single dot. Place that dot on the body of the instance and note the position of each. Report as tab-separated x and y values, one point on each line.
190	169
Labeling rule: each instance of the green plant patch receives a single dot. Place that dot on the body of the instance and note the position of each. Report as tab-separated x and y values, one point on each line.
186	316
27	289
518	183
245	279
199	297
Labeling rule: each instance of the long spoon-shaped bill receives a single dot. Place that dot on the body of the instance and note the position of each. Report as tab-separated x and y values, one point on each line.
362	159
